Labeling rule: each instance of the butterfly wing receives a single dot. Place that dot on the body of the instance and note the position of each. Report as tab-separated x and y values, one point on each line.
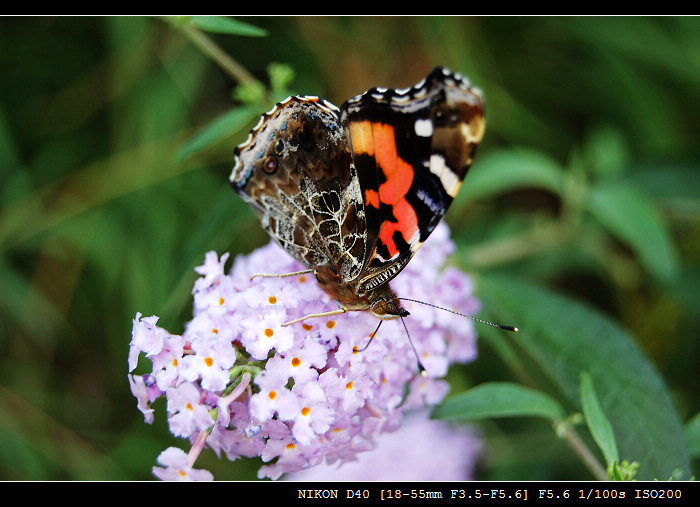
412	149
295	171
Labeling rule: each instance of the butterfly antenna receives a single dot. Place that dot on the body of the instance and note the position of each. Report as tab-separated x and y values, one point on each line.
371	337
421	368
500	326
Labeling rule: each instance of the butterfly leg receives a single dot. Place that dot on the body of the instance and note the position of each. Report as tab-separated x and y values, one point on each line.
285	275
341	309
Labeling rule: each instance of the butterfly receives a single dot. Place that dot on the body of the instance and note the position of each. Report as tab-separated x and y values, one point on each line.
353	192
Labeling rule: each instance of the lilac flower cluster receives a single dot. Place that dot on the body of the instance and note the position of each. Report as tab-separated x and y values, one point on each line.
242	384
422	449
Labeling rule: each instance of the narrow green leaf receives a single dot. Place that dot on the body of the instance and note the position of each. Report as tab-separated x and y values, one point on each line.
220	128
222	24
116	175
692	436
615	472
564	337
606	152
598	424
633	218
499	399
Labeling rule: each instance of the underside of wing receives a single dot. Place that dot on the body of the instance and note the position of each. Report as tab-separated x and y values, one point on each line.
295	171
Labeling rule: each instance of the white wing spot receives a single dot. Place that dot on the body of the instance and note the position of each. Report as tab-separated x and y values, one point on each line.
424	127
450	181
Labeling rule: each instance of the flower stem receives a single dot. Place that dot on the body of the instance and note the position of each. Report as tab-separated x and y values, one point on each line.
197	448
198	445
565	431
210	48
240	389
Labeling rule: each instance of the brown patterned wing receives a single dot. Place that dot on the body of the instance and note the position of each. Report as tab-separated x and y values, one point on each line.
295	171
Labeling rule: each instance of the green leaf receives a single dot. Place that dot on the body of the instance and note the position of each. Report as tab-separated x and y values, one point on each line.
632	217
563	337
250	93
598	424
220	128
505	170
624	471
672	185
499	399
281	76
692	436
606	152
222	24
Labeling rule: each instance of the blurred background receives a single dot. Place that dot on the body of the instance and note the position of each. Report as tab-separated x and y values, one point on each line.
116	141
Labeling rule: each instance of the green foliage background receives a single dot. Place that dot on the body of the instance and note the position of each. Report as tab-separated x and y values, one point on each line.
579	221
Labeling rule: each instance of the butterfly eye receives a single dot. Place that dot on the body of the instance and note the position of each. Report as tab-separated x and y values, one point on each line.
270	165
279	147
